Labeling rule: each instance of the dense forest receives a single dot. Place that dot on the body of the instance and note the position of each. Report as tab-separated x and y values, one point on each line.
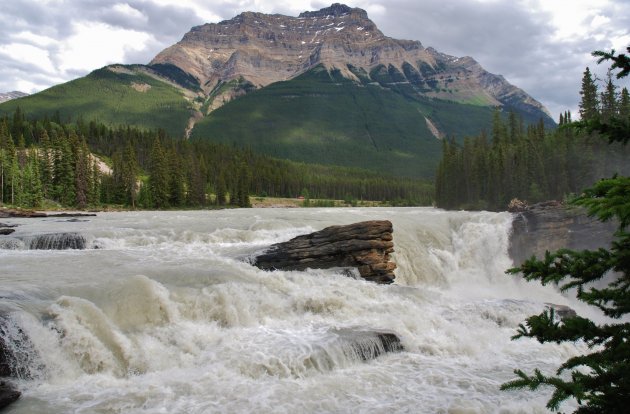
532	163
44	161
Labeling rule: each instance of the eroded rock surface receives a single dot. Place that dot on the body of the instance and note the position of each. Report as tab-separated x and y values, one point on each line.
366	246
552	226
253	50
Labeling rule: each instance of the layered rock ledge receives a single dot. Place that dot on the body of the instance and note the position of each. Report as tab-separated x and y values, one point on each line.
551	226
365	246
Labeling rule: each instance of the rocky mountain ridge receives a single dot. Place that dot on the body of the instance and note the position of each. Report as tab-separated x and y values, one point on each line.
326	87
253	50
7	96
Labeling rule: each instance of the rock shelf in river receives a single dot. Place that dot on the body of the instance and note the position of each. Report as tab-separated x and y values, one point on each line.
365	246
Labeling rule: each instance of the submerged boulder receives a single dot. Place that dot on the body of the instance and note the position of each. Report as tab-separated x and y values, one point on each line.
365	246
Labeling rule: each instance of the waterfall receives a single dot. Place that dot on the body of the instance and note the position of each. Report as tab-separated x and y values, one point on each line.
55	241
167	315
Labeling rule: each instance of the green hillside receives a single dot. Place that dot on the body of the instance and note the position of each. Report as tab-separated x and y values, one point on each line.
125	97
321	117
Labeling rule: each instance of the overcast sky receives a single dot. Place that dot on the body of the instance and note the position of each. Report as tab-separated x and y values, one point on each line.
541	46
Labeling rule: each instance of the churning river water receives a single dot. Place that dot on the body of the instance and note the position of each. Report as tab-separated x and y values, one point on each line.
162	313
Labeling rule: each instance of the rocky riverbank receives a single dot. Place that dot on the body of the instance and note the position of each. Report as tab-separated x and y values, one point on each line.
553	225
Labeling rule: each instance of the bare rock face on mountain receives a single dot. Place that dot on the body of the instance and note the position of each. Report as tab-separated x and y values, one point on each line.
365	246
253	50
7	96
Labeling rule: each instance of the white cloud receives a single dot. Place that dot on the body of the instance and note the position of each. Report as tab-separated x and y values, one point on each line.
34	39
29	54
127	10
97	44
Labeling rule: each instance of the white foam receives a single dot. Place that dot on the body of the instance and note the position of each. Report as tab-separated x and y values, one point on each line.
168	317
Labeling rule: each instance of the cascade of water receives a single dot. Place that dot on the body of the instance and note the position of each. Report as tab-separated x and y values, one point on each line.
168	316
60	241
56	241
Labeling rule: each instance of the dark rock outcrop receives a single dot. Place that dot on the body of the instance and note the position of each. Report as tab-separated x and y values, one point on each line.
4	231
365	246
8	394
552	226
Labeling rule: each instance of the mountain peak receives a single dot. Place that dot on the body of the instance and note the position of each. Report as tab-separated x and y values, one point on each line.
335	10
253	50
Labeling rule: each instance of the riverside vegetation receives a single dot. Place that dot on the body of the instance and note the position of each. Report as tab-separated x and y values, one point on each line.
530	162
599	380
46	160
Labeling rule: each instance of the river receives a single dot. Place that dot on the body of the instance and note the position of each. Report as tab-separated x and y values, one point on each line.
162	313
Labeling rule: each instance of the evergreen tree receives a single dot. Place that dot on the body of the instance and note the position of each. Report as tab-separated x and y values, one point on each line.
125	176
609	101
600	379
176	178
589	103
221	189
8	167
130	175
46	160
94	194
33	194
242	187
82	174
196	180
158	176
624	105
15	181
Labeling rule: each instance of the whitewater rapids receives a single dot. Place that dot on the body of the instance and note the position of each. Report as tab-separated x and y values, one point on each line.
162	313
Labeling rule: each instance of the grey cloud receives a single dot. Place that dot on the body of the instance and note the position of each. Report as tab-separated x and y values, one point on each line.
505	38
166	24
